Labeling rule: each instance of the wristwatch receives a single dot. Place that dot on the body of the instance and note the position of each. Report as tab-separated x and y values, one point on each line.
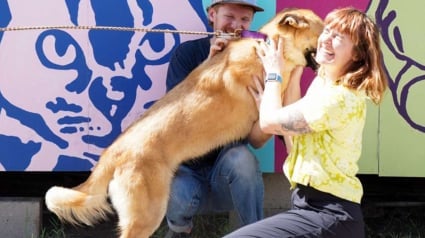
274	77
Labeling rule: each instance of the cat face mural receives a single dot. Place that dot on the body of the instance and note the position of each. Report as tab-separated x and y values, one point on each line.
66	94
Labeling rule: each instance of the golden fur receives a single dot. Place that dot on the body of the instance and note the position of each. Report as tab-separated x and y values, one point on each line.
211	107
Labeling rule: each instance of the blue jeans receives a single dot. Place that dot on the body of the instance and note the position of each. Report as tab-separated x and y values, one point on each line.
233	182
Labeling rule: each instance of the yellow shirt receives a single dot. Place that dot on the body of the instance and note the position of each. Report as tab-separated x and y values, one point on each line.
327	158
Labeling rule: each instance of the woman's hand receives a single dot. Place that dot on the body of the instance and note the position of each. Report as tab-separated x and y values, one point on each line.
271	55
256	93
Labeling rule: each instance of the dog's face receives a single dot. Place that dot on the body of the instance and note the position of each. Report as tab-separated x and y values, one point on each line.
300	29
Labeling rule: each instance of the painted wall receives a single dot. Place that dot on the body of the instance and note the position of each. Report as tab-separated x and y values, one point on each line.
65	95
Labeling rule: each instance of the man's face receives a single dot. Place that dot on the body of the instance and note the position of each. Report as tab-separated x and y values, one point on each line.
230	17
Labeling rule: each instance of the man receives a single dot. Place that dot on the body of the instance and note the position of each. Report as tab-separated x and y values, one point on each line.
227	178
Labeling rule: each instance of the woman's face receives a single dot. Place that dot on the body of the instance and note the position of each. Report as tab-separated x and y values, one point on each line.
334	51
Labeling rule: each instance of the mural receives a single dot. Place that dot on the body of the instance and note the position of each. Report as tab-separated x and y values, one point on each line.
402	116
66	94
394	23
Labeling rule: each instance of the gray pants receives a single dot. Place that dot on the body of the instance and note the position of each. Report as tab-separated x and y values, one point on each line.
313	214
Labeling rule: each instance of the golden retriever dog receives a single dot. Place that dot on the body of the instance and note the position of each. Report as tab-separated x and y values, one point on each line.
211	107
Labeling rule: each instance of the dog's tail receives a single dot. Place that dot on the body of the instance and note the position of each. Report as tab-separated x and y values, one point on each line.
85	204
77	207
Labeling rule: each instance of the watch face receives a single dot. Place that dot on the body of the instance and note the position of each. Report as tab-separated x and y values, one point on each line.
272	76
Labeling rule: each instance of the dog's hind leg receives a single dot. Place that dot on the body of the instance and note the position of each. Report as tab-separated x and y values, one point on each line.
140	197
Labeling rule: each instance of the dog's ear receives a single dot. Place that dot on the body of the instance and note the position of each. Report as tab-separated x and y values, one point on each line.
294	20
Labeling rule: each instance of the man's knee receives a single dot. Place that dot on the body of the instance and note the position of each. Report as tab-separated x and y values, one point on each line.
242	160
185	191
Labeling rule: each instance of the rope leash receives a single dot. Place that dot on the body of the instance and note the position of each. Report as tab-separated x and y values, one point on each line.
236	34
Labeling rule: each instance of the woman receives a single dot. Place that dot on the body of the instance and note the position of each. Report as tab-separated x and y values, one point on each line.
326	128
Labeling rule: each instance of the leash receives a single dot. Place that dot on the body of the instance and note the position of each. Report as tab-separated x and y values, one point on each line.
235	35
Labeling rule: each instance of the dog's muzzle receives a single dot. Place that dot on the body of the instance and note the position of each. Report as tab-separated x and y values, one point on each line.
310	57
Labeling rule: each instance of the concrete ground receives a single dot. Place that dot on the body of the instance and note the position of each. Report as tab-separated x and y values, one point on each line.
26	216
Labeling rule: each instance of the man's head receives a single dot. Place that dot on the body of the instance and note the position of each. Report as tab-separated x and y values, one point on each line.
249	3
229	15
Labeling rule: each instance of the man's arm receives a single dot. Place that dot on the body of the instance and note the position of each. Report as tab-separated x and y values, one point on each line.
256	137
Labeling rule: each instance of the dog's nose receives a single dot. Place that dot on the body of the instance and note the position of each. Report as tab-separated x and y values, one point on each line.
310	56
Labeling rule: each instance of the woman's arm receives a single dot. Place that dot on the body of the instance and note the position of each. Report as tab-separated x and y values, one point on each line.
292	94
274	118
286	120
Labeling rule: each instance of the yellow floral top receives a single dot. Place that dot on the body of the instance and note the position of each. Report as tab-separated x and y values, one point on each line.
327	158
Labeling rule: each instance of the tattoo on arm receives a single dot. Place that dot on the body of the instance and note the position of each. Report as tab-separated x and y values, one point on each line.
295	122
